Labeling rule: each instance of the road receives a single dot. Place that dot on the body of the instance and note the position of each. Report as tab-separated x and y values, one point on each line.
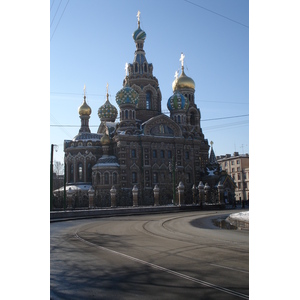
163	256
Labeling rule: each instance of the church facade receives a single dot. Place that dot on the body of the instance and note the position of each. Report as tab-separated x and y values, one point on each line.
145	148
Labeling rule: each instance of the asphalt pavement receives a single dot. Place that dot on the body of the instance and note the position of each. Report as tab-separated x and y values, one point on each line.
179	255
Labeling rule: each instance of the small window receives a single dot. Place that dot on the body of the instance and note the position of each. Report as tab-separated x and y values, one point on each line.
162	154
80	172
154	153
169	154
148	100
114	178
71	173
187	155
133	153
188	177
106	178
155	177
89	172
134	177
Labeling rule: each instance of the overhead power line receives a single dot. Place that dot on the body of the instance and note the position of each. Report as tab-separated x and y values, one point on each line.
215	119
59	20
55	12
213	12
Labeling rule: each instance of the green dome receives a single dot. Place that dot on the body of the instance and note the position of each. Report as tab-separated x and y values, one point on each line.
107	112
139	34
177	102
127	95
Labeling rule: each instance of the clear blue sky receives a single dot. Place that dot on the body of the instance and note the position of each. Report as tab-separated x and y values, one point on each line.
90	42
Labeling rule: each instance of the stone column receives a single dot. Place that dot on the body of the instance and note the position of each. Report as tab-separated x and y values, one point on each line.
135	193
91	193
113	193
201	193
180	193
69	198
156	195
207	192
220	193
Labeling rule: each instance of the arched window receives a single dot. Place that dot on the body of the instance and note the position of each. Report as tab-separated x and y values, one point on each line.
145	68
98	178
136	68
178	119
106	178
148	100
71	173
130	114
193	119
80	172
134	177
89	173
155	177
115	178
126	114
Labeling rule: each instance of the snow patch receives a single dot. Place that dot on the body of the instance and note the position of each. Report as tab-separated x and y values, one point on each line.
241	216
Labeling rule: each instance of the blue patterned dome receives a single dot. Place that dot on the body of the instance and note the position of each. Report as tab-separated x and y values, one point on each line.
139	34
177	102
107	112
127	95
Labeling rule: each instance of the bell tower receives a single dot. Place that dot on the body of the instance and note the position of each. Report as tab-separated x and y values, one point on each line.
141	79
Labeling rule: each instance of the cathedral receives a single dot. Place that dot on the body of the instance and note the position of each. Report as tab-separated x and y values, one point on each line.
144	148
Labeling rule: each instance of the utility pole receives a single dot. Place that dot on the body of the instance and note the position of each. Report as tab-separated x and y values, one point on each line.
51	178
65	179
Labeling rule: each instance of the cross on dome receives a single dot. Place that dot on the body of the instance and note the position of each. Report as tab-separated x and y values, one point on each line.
126	69
176	74
138	16
84	88
182	56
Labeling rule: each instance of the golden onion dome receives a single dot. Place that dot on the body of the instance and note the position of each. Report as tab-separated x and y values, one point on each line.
84	109
183	82
105	140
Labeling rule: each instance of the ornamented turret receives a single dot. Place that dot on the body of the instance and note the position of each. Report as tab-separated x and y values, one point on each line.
107	112
139	35
140	78
84	112
127	99
183	81
127	96
84	109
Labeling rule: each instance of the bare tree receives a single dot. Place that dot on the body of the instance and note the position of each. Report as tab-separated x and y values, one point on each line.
58	167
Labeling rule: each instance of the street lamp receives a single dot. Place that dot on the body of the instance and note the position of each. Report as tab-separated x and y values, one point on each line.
51	175
173	168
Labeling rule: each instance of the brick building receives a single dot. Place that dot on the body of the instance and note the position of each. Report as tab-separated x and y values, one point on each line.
146	147
237	166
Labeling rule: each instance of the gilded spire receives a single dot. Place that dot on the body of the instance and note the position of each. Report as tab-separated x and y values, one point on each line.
84	109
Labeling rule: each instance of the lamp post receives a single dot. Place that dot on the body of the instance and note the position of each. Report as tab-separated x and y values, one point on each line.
173	168
51	176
